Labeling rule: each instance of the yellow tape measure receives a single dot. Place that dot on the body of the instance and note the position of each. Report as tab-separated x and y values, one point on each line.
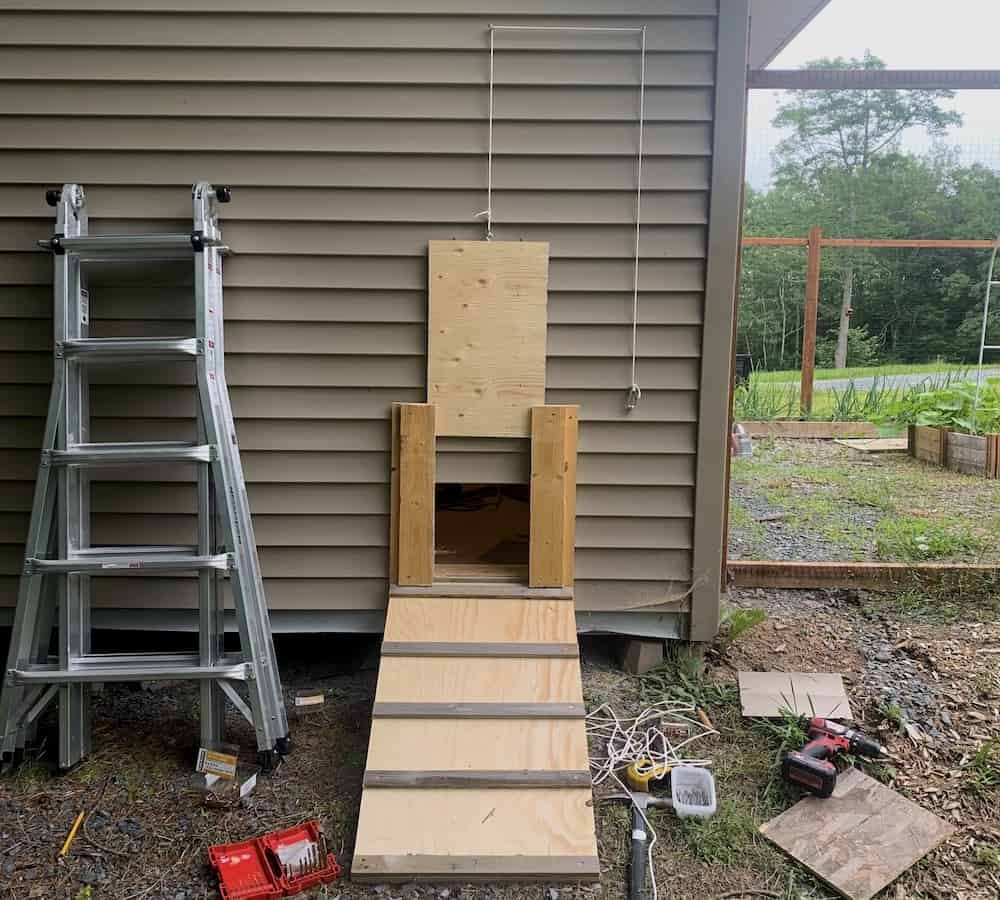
639	774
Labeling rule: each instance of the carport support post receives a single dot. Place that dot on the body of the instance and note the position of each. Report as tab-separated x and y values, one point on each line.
809	322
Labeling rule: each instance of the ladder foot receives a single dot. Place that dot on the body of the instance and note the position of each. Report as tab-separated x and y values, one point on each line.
268	760
284	745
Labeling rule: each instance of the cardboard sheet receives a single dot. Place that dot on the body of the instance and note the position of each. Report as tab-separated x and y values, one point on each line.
768	694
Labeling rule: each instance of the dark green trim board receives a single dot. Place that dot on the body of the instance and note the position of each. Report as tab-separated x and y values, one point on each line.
724	223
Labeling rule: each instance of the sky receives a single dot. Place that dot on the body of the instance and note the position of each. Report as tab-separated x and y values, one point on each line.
907	34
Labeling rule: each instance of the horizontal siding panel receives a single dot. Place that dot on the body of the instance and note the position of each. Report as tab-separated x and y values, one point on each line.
342	239
273	499
636	437
396	273
141	28
628	469
641	502
390	101
589	373
633	564
602	308
269	205
569	67
632	596
350	136
668	341
624	533
182	593
350	170
254	434
609	405
270	531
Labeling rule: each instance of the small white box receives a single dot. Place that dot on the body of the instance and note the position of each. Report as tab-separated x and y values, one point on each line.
692	790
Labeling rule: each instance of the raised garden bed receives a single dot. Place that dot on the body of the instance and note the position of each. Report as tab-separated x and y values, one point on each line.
971	454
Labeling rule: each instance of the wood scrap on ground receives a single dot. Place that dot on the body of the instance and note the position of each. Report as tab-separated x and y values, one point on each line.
860	839
875	445
772	694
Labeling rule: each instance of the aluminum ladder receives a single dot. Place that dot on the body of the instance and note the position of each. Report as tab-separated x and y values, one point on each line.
59	543
991	282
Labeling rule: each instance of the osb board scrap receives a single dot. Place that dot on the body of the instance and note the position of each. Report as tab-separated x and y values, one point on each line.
860	839
875	445
487	317
770	694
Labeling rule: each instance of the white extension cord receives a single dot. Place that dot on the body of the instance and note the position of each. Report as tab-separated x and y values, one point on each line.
624	741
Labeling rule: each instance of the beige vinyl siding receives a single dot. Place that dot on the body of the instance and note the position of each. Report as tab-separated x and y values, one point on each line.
352	134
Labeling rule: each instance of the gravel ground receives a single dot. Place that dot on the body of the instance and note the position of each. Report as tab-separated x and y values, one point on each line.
820	501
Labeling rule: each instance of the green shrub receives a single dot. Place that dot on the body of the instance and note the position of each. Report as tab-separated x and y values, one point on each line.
863	349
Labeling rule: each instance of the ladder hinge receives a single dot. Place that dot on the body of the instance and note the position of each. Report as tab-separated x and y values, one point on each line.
55	245
198	241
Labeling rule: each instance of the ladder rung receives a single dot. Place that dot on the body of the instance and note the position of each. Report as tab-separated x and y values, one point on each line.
128	246
119	349
130	667
991	346
128	454
110	559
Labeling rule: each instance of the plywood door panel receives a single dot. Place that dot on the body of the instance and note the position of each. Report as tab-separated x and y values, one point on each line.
483	619
478	680
536	822
486	335
496	744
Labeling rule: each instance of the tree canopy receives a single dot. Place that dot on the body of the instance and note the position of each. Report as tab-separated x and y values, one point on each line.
841	167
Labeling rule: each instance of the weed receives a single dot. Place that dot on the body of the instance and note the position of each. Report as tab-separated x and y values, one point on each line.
682	677
736	622
911	539
891	713
983	770
988	855
85	893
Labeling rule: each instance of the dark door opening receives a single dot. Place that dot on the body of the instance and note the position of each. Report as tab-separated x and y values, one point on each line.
481	525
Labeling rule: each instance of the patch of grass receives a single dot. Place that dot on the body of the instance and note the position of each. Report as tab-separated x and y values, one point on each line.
891	713
31	777
983	771
736	622
963	598
913	539
935	368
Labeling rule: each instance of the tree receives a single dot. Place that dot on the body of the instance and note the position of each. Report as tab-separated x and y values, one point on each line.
836	139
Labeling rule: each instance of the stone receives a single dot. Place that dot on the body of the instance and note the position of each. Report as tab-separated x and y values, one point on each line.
130	827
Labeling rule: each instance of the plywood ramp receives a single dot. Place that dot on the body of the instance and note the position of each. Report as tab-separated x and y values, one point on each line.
477	764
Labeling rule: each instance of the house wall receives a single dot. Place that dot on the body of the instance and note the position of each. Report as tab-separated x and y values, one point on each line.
352	134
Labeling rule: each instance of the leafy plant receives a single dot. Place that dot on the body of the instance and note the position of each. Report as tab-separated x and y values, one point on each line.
760	402
950	406
859	405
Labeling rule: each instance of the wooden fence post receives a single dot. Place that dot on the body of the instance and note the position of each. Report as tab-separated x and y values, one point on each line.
809	321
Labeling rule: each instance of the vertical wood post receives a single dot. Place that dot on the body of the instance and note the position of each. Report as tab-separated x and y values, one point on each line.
415	544
553	496
809	322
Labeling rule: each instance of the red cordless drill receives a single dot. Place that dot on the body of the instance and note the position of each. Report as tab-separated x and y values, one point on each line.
811	769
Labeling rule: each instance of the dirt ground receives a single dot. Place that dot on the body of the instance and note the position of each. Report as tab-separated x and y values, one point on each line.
146	835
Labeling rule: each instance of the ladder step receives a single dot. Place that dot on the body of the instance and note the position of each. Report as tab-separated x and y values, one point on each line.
131	453
130	667
991	346
129	246
105	559
122	349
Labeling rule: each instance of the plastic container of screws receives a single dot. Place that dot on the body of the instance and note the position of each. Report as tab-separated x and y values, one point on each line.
692	790
301	856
